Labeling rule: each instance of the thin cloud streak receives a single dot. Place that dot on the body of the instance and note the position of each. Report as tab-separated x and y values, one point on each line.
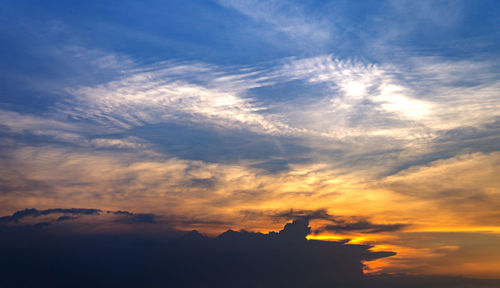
160	96
286	18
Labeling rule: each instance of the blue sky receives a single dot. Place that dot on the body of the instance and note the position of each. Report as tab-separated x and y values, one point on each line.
211	109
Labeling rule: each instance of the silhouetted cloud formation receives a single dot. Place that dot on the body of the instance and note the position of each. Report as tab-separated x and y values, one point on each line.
35	213
364	226
232	259
340	224
65	214
306	214
58	257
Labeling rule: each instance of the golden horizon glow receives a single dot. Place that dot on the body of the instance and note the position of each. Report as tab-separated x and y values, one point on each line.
317	186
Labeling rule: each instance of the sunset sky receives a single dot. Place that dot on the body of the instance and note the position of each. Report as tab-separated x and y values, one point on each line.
378	121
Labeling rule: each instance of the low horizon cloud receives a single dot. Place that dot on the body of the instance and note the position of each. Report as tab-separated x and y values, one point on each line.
62	255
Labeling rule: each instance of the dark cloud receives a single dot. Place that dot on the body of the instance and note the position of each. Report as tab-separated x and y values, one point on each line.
34	257
36	213
305	214
129	217
65	217
206	183
364	226
59	258
418	281
73	213
204	222
339	224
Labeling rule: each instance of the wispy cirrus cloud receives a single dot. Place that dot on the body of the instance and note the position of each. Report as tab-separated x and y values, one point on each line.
286	18
196	93
420	93
405	109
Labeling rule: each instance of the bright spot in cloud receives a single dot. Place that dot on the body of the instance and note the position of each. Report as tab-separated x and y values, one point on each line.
354	89
393	99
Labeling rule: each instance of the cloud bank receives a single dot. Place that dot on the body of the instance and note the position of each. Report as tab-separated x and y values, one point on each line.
245	259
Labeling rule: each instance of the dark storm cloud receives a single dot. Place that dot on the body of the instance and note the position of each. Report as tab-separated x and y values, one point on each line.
59	258
232	259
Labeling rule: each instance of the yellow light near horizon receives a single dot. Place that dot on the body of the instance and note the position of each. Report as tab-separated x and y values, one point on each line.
485	229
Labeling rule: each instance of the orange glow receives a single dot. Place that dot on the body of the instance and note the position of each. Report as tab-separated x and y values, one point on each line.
490	229
325	237
157	186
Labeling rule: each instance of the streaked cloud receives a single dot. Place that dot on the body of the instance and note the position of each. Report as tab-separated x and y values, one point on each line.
166	94
285	17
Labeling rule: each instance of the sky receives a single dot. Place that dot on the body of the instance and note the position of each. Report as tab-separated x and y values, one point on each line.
376	121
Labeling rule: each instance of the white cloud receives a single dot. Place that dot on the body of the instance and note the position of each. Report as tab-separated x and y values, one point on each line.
362	100
43	125
197	93
126	143
429	93
367	113
284	17
393	98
